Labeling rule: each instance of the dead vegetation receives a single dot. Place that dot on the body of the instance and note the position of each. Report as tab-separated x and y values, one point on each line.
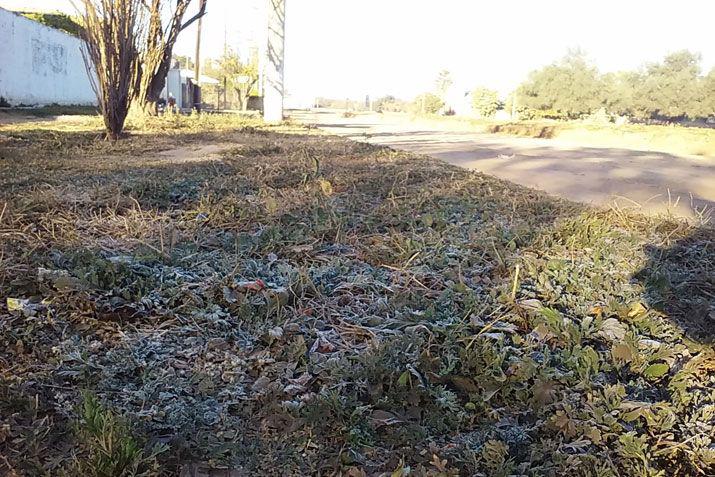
304	305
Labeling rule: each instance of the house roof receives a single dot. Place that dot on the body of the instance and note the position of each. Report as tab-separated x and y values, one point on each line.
203	79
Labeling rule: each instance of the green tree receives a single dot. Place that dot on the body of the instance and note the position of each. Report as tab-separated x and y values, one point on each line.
485	102
671	89
210	67
240	76
708	95
568	88
620	94
428	103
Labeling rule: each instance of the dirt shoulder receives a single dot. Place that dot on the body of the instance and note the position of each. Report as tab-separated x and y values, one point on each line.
675	140
648	181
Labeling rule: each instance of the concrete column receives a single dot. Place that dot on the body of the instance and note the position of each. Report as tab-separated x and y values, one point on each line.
274	62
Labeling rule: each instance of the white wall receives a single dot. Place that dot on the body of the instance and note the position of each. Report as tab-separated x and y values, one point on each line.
41	65
173	86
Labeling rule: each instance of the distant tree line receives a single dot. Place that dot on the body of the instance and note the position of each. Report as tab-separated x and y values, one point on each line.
674	90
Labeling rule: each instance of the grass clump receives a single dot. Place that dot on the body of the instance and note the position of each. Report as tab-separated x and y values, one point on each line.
110	449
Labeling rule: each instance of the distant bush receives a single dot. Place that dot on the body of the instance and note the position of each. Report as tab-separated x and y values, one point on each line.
525	129
485	102
427	103
390	104
59	21
600	116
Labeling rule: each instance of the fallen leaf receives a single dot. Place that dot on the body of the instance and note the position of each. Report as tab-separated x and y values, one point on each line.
637	310
613	330
261	384
655	371
464	384
622	352
17	304
254	285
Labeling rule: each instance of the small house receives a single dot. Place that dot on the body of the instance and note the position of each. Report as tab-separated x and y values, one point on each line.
181	86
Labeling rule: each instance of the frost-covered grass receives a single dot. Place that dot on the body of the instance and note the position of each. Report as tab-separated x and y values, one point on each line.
215	294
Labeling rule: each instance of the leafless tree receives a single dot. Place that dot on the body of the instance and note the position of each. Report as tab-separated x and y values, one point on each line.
112	29
160	39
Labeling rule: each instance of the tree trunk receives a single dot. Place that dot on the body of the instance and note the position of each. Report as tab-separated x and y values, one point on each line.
152	89
112	53
156	60
241	99
150	107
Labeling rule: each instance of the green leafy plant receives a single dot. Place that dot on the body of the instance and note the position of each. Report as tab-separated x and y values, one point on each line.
66	23
109	448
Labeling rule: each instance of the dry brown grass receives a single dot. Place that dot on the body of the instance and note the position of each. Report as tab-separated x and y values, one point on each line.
296	304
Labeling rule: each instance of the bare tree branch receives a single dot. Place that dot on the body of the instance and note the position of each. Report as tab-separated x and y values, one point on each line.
201	13
160	39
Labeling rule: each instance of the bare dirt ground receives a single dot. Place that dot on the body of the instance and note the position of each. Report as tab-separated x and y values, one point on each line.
649	181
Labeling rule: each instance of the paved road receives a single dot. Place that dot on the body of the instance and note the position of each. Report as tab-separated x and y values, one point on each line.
653	182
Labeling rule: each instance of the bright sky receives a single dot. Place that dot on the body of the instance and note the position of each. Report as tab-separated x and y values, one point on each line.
350	48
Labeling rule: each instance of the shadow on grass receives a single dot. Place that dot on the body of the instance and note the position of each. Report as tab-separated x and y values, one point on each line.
679	280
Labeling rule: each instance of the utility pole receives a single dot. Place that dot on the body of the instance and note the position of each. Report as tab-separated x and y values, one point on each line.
225	55
197	63
274	62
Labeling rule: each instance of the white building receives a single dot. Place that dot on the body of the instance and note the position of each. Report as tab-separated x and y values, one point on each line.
41	65
179	83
